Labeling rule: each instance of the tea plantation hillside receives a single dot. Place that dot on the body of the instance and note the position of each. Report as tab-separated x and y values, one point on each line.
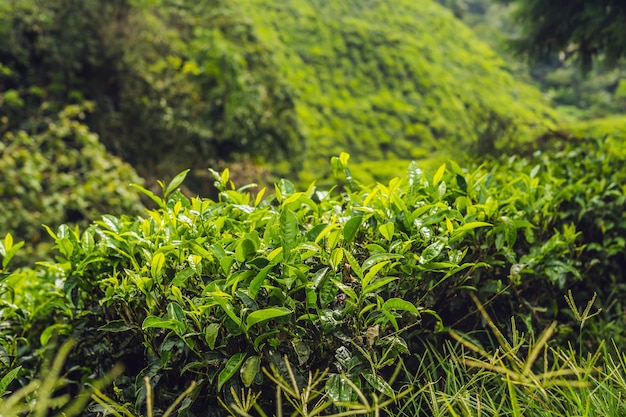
261	82
393	79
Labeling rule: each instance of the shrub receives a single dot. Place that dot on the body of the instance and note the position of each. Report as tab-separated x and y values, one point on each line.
59	173
214	290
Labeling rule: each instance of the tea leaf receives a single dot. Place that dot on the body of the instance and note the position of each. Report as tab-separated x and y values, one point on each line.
159	323
387	230
182	276
379	384
288	231
115	326
8	243
439	174
257	282
336	257
58	328
337	388
230	369
351	228
210	334
175	312
378	284
244	249
354	264
176	181
228	309
432	251
372	273
7	379
377	258
158	260
250	369
400	304
260	316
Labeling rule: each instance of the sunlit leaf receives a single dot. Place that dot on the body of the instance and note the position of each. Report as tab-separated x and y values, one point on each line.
176	181
260	316
439	174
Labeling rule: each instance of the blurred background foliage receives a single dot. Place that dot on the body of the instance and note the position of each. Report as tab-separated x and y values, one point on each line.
174	83
268	89
600	91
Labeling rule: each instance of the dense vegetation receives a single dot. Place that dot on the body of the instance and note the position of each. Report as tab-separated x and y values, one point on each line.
211	291
371	285
377	80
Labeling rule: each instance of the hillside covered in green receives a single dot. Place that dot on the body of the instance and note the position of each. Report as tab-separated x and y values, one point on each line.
393	80
264	83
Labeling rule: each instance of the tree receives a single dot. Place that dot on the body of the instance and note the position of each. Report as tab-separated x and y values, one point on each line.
582	30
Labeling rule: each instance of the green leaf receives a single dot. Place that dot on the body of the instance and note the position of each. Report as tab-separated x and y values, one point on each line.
379	384
210	334
245	249
354	264
375	259
230	369
159	323
226	263
286	188
400	304
180	280
471	226
327	291
432	251
372	273
266	314
338	389
176	181
351	228
378	284
87	241
8	254
228	309
439	174
175	312
387	230
115	326
65	247
414	173
288	231
336	256
158	260
250	369
441	190
52	329
7	379
257	282
8	244
347	290
159	201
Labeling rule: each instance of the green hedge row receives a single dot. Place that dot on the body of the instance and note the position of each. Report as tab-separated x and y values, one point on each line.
352	279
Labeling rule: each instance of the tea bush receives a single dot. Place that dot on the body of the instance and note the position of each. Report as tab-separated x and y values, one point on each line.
57	172
353	278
